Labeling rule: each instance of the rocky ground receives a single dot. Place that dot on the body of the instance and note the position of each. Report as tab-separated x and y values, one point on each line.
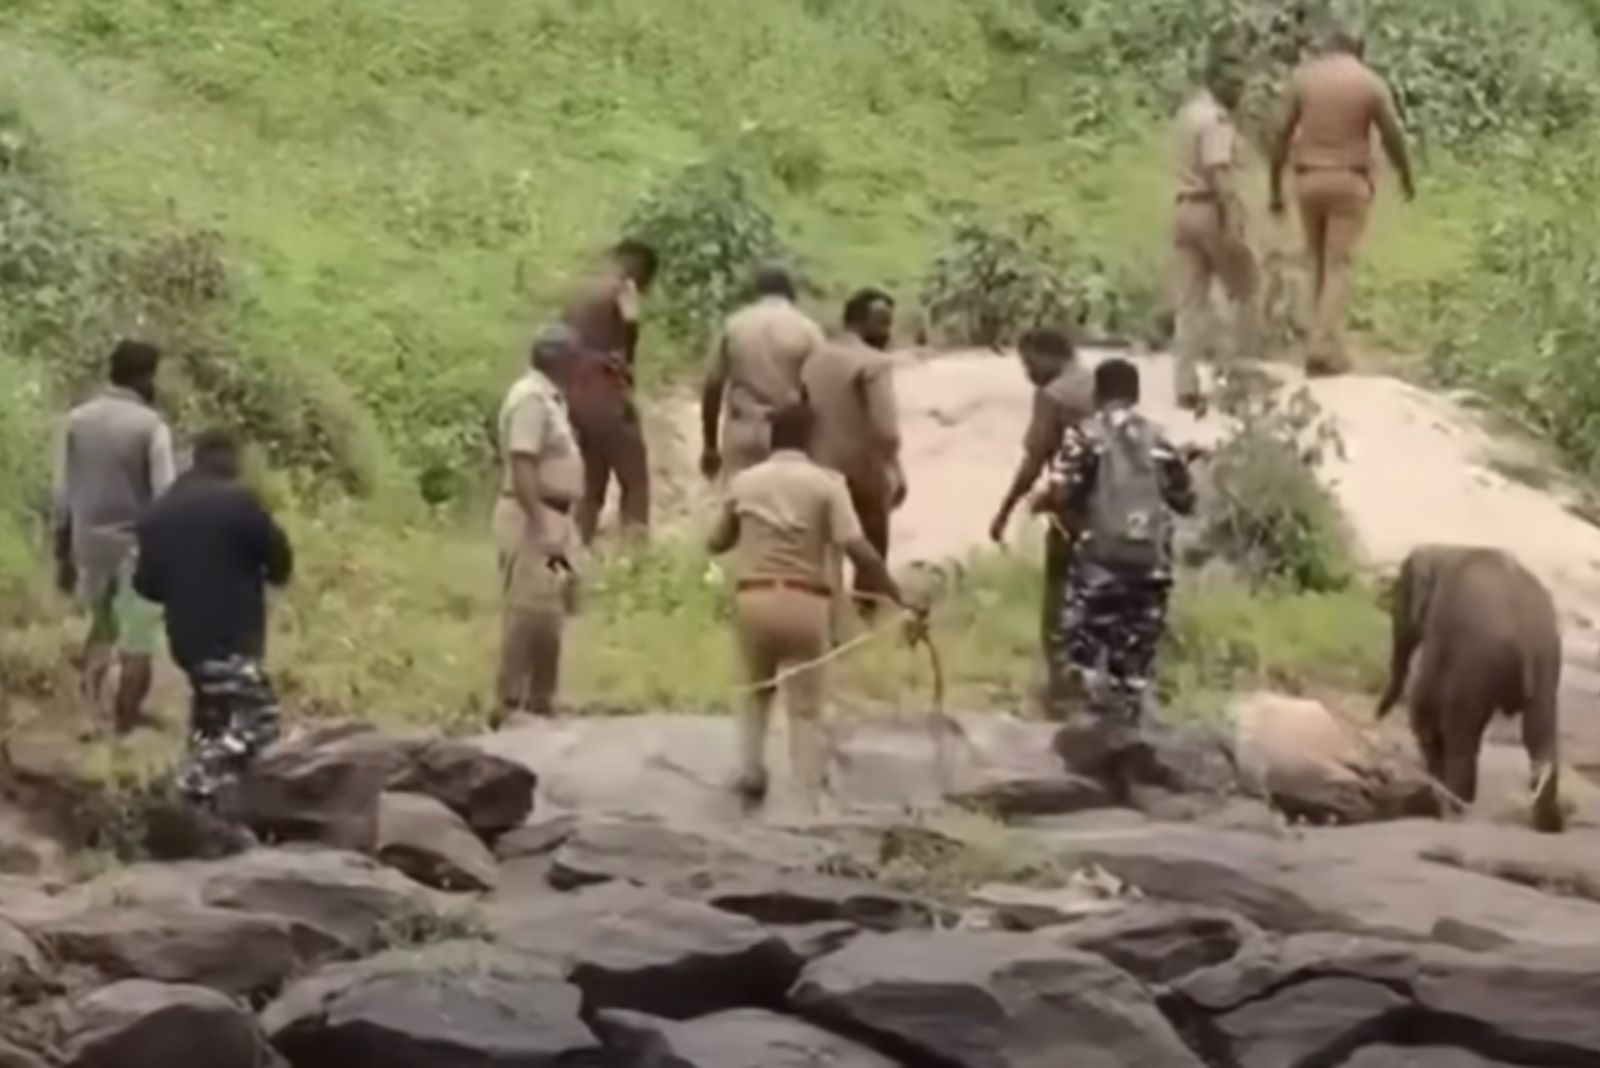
581	893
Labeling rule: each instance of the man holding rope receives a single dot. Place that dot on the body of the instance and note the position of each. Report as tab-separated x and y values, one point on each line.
782	518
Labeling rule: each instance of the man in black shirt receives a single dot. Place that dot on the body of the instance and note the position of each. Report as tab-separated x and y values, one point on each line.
207	549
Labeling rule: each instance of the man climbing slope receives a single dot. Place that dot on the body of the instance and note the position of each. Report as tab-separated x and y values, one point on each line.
114	457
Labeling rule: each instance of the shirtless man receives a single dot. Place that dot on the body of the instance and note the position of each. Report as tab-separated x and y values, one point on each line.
604	314
1209	242
755	371
1334	103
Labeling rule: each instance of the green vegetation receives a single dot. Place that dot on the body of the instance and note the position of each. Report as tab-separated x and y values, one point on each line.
344	220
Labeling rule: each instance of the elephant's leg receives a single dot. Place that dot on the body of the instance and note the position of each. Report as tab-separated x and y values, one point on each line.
1541	737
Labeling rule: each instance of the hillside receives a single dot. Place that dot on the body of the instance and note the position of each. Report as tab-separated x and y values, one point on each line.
346	218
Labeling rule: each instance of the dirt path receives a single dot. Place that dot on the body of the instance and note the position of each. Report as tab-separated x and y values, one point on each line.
1418	467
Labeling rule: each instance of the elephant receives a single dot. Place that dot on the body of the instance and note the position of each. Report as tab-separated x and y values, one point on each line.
1483	635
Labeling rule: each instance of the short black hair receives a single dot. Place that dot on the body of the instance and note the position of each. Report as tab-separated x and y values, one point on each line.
632	248
773	280
216	450
861	302
792	425
1049	342
1116	380
134	362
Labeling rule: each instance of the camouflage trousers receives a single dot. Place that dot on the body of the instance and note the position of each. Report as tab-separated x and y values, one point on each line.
233	717
1110	627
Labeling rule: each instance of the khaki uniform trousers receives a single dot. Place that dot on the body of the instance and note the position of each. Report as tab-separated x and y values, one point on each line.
778	629
537	599
1204	254
1334	206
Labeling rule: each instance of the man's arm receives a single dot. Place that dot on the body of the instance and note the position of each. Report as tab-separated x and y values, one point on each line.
61	514
1040	444
148	580
1282	144
1394	142
873	570
163	468
628	308
725	533
883	415
525	434
1177	485
712	394
1216	161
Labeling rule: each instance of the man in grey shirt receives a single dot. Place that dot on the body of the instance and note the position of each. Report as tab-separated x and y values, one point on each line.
114	457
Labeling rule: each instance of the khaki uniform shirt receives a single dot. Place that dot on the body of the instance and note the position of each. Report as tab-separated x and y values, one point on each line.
533	422
791	515
764	346
1066	401
851	386
1206	140
1340	100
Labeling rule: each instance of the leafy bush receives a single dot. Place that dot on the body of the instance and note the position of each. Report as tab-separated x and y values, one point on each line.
1268	512
989	285
711	231
1525	326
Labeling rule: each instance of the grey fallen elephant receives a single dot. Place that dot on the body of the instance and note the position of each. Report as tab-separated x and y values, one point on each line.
1483	635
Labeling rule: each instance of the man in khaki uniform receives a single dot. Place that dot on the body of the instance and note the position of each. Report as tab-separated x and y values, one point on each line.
604	314
1208	233
782	519
850	387
1335	101
532	526
754	372
1063	397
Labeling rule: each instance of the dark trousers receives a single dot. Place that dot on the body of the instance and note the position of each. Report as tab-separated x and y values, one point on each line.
611	440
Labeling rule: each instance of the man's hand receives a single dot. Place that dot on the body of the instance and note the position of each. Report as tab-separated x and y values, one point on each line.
916	624
997	528
711	464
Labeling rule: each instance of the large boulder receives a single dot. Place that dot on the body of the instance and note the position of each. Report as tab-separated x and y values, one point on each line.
346	897
1159	944
1314	999
1320	881
453	1005
233	952
492	794
1315	765
139	1024
23	969
425	840
323	786
744	1038
988	1000
634	948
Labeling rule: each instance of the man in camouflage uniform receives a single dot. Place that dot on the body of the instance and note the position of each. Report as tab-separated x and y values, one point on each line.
207	550
1120	477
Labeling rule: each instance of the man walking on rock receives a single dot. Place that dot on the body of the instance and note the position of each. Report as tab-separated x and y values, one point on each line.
1209	240
1063	397
1335	102
542	478
782	519
604	314
114	457
755	371
850	386
207	550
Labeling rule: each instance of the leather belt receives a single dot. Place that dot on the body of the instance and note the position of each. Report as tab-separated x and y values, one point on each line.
816	589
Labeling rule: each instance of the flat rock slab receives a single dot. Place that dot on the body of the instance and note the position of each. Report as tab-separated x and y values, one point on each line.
1420	1057
685	858
455	1005
136	1023
493	795
680	766
1160	944
233	952
1313	999
746	1038
1321	882
15	1057
988	1000
22	965
637	949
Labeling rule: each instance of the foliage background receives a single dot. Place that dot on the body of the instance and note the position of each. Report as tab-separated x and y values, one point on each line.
346	219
